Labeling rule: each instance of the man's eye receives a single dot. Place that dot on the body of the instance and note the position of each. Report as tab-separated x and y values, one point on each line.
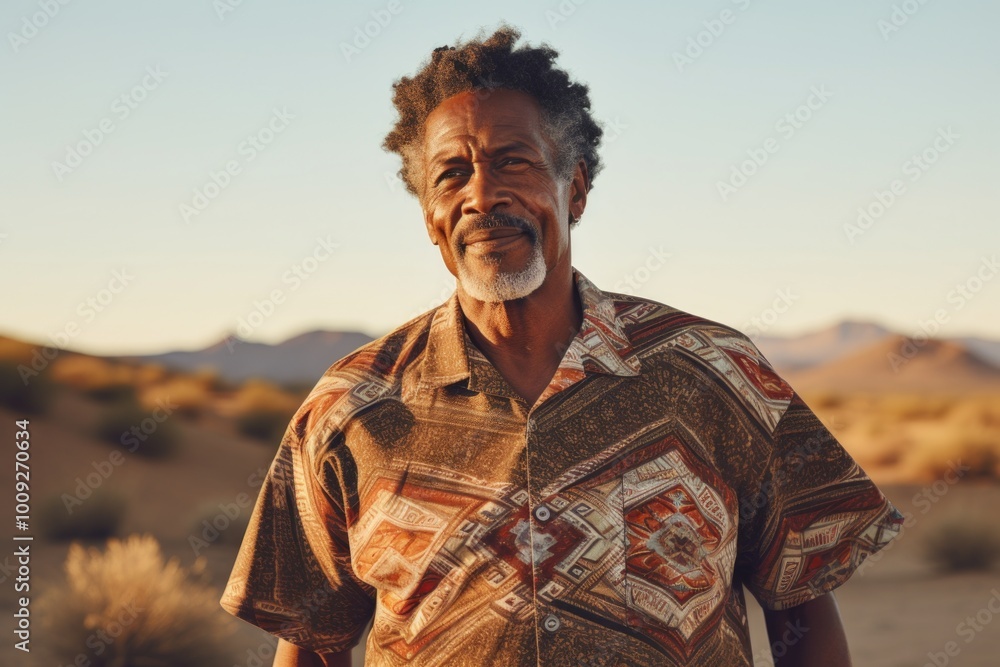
512	160
449	174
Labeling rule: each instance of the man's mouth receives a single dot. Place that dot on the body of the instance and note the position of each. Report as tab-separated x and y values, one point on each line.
492	235
494	239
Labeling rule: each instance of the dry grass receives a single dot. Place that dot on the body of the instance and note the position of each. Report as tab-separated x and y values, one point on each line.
906	407
127	607
825	400
94	376
189	395
939	446
963	543
263	410
34	398
15	350
151	434
260	395
916	437
70	516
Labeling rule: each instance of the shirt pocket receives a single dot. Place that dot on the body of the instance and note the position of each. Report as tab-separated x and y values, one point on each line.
680	545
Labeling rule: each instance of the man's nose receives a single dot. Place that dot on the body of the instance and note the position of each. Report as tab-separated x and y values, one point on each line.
485	192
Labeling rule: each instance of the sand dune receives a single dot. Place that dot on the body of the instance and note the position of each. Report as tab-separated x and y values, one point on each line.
902	364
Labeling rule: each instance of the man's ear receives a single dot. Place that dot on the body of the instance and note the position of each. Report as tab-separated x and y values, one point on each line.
431	232
578	189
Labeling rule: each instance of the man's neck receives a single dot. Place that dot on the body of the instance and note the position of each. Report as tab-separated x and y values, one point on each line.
526	338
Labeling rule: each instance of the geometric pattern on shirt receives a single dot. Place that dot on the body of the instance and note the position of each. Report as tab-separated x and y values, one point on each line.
645	542
739	363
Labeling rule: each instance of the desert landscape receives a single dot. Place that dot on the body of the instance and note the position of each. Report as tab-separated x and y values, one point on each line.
921	416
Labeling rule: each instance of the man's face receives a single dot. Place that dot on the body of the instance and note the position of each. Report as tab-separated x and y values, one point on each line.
492	201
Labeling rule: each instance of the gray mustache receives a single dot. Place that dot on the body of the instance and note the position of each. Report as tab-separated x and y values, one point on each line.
495	220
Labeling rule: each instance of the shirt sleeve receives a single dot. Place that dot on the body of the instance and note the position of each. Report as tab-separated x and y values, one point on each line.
293	576
812	518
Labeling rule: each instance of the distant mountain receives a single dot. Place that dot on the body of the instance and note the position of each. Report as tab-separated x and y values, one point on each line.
982	347
900	363
298	360
829	357
794	353
849	353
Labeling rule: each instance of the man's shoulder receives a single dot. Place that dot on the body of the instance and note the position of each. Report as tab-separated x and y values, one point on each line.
652	322
389	354
719	352
373	372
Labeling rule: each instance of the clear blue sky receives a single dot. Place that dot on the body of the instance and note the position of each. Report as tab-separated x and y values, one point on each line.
678	129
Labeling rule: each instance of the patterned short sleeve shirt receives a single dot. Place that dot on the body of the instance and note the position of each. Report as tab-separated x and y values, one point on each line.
617	521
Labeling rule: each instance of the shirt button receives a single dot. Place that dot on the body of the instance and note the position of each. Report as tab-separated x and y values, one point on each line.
551	623
542	513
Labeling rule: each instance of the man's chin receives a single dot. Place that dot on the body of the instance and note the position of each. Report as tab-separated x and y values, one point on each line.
494	283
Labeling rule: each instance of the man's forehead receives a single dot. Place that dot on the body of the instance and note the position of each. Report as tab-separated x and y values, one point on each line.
501	115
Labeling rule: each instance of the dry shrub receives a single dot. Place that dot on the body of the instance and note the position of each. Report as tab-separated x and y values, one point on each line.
112	393
98	378
976	447
825	400
187	395
17	351
264	410
149	374
79	516
256	394
906	407
875	426
140	431
210	380
126	607
265	426
32	398
979	411
962	543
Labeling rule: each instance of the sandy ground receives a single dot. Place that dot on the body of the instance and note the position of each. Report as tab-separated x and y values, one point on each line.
897	611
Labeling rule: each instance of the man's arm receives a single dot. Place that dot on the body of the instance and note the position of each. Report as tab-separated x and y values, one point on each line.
809	635
290	655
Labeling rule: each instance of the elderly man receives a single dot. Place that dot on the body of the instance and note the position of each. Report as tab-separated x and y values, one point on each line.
538	472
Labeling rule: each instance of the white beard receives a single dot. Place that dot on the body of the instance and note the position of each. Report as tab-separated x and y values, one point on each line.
504	286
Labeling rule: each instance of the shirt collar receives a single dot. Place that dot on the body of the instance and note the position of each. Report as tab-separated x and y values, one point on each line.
600	346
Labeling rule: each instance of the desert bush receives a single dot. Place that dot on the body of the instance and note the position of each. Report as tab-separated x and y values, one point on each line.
210	379
264	410
187	396
18	351
825	400
962	543
257	394
264	425
69	517
97	378
905	407
31	398
978	411
111	393
157	613
976	448
143	432
150	374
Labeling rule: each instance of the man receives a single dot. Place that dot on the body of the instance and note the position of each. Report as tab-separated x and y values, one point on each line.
539	472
